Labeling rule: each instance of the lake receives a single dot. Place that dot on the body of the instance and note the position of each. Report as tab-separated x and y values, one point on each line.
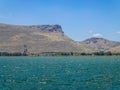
60	73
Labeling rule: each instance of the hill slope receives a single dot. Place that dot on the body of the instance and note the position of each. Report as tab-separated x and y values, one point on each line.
47	38
99	44
36	38
115	49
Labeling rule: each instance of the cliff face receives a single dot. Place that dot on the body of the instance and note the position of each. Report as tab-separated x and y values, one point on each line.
40	28
47	28
37	38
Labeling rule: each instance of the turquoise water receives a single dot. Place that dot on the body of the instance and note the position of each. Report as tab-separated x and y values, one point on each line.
59	73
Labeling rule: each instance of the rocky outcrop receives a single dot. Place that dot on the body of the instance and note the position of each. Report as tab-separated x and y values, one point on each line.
47	28
40	28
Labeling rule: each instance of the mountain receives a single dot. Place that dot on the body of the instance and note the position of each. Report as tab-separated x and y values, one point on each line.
36	38
99	44
48	38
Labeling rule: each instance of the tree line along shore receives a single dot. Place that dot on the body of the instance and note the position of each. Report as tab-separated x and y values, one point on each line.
101	53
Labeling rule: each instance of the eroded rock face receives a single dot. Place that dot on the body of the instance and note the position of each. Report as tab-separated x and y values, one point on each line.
47	28
40	28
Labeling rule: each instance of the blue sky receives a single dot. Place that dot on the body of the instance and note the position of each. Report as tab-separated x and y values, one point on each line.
80	19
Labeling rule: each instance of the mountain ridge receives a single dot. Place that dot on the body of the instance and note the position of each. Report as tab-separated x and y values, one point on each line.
37	38
47	38
100	44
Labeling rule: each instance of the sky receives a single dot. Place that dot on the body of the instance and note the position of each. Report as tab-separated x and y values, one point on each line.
80	19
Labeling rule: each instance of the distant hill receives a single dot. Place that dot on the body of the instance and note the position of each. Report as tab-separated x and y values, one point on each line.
36	38
99	44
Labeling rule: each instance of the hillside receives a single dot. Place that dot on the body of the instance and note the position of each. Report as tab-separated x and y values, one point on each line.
99	44
36	38
48	38
115	49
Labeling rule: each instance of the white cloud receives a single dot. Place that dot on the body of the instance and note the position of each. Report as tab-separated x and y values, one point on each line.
97	35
